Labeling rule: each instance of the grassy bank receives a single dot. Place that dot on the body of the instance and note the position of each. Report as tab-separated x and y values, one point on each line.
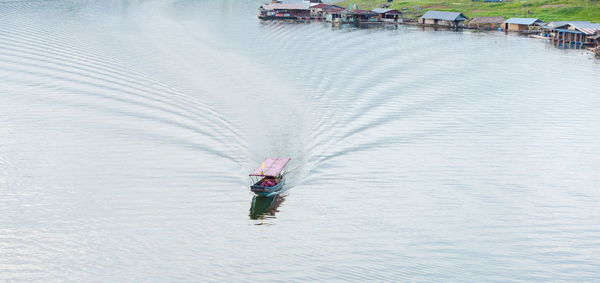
546	10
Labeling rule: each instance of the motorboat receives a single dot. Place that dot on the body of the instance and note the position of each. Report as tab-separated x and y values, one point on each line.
269	178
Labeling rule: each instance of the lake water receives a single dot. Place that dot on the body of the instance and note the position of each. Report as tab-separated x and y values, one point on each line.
128	128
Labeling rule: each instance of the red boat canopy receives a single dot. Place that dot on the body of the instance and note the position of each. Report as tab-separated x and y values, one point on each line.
271	167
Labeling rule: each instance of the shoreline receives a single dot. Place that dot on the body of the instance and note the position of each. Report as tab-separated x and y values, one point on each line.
562	34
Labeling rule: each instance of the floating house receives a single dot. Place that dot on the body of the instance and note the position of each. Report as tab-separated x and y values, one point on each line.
486	23
282	11
388	15
333	14
351	16
575	32
446	19
364	16
522	24
318	11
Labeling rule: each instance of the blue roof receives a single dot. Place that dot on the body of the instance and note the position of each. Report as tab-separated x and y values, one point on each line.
446	16
569	31
522	21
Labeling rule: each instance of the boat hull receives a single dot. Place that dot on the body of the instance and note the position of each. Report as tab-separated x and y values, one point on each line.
267	191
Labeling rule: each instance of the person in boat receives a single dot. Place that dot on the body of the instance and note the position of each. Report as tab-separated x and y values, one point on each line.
269	182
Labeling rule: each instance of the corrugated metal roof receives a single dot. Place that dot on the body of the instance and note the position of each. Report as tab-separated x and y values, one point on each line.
587	28
446	16
383	10
330	10
522	21
319	6
363	12
562	23
333	7
582	26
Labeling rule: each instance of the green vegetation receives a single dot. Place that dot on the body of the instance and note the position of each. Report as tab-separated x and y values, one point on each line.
546	10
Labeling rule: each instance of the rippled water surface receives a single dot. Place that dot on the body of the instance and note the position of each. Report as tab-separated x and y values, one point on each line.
128	128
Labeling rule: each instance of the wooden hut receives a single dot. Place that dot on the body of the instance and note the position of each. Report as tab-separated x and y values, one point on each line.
388	15
486	23
447	19
522	24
